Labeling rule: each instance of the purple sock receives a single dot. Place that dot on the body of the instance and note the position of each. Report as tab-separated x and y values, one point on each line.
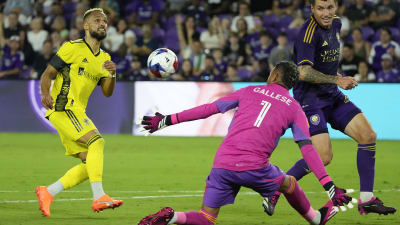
366	166
299	170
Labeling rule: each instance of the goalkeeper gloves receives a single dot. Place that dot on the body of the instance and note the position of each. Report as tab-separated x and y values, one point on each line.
156	122
338	196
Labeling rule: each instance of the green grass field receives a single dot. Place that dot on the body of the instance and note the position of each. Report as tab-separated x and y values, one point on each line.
151	172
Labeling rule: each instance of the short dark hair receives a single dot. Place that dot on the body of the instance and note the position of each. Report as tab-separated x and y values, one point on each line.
265	34
90	11
348	45
282	34
387	30
288	72
313	1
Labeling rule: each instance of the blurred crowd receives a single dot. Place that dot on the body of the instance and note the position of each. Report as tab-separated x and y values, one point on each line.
216	40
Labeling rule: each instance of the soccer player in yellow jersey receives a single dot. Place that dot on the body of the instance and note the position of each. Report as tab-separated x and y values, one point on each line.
78	67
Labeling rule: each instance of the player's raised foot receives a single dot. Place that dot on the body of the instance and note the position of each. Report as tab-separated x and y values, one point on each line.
327	212
161	217
269	204
45	199
105	202
374	206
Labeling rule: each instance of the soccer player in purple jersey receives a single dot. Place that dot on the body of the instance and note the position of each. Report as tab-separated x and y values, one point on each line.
316	52
263	113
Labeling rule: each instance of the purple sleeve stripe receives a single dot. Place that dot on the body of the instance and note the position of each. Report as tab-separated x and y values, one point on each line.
224	105
298	134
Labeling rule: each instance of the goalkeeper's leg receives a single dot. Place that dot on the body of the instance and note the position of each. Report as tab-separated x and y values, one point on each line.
323	145
206	216
299	201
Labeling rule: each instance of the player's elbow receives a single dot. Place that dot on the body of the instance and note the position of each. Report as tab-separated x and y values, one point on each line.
107	93
303	70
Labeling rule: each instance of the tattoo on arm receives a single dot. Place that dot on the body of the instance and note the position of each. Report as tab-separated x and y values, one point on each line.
309	74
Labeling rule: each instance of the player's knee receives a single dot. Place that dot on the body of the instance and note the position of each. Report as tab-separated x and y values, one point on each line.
288	184
368	137
83	156
326	159
98	139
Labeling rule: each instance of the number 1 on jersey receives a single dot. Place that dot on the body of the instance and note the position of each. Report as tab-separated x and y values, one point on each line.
266	105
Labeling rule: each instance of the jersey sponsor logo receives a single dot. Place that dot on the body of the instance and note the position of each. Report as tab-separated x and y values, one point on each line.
331	55
325	44
314	119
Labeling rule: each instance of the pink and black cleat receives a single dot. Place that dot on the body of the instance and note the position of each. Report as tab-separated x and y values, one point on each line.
327	212
269	204
374	206
162	217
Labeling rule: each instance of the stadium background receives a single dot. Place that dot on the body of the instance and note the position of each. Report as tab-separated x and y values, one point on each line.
138	170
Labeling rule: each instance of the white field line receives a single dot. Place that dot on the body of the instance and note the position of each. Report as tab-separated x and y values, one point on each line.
151	196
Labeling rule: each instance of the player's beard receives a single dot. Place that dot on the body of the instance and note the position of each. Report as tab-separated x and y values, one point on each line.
97	35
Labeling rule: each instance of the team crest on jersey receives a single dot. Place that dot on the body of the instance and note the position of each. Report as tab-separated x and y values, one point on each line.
346	99
84	60
314	119
86	121
80	71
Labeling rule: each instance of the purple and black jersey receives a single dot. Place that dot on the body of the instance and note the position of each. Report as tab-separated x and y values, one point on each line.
320	48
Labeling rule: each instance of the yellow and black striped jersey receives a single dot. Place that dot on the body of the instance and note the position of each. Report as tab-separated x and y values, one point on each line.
79	72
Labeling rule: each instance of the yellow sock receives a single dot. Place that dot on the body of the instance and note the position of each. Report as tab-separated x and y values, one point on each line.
94	158
74	176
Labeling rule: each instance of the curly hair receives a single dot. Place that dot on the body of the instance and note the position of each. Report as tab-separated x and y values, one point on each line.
289	73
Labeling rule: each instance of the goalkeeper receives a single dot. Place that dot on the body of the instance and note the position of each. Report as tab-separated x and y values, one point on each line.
263	113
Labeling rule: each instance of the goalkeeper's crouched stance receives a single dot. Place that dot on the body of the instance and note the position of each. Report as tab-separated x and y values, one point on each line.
242	159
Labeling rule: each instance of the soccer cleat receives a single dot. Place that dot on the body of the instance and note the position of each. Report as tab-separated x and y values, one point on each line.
45	199
162	217
327	212
105	202
269	204
374	206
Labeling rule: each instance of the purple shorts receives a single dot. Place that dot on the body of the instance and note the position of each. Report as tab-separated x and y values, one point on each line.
223	185
338	115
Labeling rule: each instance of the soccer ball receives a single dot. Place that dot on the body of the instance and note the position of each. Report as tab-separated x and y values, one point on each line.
162	63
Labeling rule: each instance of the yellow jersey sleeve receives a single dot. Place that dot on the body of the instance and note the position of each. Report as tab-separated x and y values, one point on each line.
64	56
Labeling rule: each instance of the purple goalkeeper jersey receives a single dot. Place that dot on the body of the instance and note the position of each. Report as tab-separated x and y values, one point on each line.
263	114
320	48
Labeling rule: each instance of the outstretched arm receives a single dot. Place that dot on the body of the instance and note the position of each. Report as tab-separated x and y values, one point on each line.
159	121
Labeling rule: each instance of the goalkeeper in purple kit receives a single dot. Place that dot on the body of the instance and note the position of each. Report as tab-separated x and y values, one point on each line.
263	113
316	53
